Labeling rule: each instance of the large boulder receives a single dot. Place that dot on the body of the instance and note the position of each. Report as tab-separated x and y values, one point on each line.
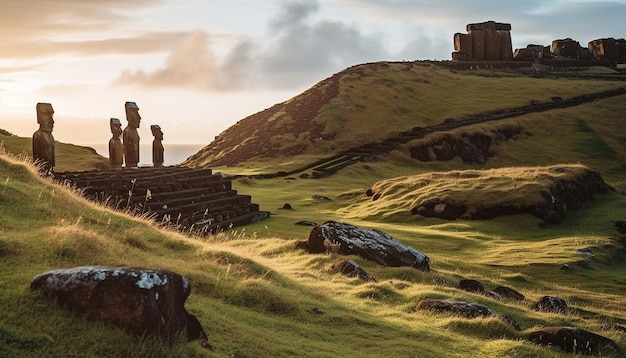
574	340
374	245
138	300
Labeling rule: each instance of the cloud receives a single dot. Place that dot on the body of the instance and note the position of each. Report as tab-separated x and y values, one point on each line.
137	44
298	52
37	29
191	64
304	51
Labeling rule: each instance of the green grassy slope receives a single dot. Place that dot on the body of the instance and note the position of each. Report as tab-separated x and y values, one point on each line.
253	292
369	102
69	157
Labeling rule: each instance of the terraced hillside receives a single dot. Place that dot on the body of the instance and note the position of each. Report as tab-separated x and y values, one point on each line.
371	102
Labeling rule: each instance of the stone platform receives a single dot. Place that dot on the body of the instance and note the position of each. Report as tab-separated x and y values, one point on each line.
192	200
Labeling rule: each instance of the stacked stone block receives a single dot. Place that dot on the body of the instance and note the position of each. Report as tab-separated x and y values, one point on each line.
609	48
487	41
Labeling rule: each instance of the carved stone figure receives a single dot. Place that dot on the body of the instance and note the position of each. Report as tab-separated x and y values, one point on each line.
130	135
116	147
43	141
157	146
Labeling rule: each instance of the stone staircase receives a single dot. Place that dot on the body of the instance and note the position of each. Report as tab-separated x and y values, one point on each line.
192	200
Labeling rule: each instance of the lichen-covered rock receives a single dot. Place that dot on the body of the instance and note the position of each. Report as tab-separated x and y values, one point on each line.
574	340
551	304
458	308
138	300
374	245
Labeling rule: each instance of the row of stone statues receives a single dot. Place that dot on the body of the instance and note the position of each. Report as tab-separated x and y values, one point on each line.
123	145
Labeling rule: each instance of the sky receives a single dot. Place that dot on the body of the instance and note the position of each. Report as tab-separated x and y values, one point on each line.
195	67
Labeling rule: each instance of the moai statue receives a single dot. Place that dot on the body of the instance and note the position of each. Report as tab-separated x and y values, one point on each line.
43	141
130	135
116	148
157	146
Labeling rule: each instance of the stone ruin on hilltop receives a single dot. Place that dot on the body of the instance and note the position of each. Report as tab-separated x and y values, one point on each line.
491	41
487	41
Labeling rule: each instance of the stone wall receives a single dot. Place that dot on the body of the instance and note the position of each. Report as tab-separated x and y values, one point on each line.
609	48
487	41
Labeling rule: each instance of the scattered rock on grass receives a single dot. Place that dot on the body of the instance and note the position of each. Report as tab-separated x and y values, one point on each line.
374	245
574	340
509	293
458	308
471	286
551	304
138	300
351	269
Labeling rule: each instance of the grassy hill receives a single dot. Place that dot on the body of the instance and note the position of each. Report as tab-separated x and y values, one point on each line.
254	293
69	157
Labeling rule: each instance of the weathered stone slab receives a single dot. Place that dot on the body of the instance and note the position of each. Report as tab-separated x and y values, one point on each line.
374	245
574	340
138	300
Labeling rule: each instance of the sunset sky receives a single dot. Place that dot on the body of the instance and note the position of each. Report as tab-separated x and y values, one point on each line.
195	67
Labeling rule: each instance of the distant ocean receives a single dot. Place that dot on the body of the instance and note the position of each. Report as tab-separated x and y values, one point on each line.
174	153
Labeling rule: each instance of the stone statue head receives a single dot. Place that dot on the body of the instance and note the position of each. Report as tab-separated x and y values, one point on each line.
132	114
44	116
156	132
116	127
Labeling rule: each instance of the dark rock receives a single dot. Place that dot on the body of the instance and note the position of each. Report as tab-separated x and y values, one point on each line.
566	267
304	175
374	245
508	292
445	151
574	340
458	308
287	206
316	310
551	304
138	300
321	198
621	226
306	223
509	320
471	286
351	269
445	211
